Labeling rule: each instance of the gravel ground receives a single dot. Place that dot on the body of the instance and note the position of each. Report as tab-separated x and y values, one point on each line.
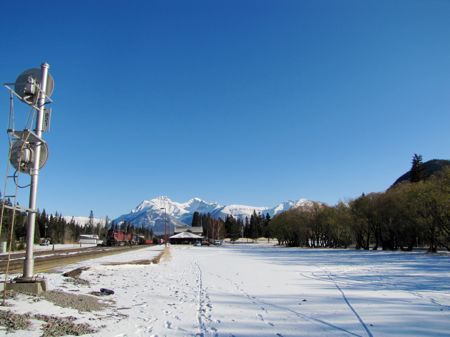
82	303
53	325
62	326
13	322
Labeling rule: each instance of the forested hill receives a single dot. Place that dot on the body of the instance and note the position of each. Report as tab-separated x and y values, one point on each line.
429	168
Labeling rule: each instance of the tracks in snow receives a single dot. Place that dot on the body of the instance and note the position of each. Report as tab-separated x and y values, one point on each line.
263	305
333	281
364	325
204	307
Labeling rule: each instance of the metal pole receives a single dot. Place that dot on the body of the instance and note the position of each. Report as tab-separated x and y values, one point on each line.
165	227
28	267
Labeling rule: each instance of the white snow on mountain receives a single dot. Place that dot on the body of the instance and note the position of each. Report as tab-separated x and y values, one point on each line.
199	205
156	212
284	206
238	211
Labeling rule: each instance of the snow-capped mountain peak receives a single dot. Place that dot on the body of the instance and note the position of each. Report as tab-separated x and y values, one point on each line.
199	205
158	204
284	206
154	212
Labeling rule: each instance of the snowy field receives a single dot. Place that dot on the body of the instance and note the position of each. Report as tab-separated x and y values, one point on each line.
257	290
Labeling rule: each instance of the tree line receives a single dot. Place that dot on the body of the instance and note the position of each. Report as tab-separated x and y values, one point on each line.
414	213
50	226
231	227
59	230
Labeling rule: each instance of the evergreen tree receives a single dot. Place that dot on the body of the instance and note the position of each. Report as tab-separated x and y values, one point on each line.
232	228
417	169
91	219
246	227
196	219
266	228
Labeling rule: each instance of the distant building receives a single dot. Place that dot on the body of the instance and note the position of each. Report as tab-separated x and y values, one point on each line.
182	229
91	239
185	238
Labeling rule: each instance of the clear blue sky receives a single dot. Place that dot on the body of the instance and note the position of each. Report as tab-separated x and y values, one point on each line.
251	102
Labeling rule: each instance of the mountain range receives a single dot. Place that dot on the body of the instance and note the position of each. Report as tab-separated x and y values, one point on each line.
155	212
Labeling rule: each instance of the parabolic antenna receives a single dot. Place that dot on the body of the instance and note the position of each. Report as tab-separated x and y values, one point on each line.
27	85
23	154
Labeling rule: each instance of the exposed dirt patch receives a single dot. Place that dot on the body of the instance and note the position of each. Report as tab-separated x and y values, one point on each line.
13	322
165	255
128	262
54	326
73	276
77	281
82	303
10	294
76	272
62	326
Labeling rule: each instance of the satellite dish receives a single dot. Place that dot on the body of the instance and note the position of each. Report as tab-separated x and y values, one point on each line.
23	154
27	85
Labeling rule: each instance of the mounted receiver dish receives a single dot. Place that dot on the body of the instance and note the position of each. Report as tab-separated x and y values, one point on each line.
23	154
28	83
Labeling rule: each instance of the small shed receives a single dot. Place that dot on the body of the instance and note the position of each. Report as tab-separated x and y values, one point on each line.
90	239
185	238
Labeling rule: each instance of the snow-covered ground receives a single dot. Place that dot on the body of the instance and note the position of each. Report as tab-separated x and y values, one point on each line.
257	290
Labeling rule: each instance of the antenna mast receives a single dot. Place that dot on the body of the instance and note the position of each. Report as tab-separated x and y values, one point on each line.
28	266
28	153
